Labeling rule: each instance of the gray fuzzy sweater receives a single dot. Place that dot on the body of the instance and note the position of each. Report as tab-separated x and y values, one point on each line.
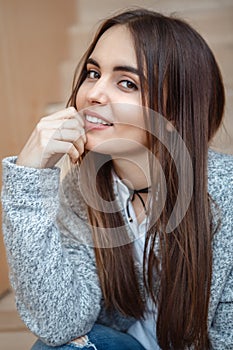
52	268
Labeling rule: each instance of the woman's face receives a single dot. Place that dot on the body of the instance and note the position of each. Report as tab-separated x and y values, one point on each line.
109	99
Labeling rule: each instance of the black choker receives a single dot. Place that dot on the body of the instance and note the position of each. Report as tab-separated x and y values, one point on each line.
134	193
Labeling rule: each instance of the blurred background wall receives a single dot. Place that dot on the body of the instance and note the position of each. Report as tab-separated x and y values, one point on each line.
33	43
41	42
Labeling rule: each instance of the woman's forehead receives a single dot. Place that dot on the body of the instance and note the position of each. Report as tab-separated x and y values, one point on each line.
116	43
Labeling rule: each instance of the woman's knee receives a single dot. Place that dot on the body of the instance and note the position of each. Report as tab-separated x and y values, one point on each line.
99	338
79	343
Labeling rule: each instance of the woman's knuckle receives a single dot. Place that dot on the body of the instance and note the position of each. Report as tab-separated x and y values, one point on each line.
72	110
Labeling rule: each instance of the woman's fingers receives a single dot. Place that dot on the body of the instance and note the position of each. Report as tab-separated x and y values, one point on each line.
66	123
79	144
68	135
56	149
62	141
62	132
76	142
66	113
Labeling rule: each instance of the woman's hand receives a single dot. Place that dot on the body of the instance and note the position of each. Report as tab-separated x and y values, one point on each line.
60	133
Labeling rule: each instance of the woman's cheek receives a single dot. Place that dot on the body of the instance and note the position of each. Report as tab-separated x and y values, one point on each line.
80	98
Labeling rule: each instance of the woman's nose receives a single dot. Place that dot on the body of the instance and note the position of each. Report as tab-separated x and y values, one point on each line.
98	93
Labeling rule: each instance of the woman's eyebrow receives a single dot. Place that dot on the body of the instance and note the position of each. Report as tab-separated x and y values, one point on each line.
126	69
92	61
115	69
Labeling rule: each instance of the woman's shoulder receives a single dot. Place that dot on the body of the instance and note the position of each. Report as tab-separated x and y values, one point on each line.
220	187
220	175
220	183
220	162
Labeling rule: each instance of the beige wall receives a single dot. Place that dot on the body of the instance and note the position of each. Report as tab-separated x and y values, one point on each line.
33	42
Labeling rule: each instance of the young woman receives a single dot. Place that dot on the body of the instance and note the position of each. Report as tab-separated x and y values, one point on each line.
133	250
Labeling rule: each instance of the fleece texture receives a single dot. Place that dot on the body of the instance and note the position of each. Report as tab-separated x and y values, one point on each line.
52	260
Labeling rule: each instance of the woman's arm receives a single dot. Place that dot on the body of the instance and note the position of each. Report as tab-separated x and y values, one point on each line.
53	275
221	330
221	302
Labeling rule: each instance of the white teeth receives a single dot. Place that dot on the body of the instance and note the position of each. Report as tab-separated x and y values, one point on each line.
96	120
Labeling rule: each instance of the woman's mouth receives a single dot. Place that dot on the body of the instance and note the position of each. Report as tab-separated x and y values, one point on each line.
97	121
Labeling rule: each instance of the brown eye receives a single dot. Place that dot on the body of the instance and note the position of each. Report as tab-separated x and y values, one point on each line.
92	74
128	85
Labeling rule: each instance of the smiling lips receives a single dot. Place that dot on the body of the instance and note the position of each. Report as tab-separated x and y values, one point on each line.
95	121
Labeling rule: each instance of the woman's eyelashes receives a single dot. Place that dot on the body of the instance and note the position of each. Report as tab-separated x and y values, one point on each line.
127	84
92	74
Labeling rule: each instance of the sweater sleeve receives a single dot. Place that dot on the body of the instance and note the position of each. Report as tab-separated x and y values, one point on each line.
221	303
52	272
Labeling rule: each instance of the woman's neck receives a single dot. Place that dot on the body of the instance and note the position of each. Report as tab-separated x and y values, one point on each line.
133	172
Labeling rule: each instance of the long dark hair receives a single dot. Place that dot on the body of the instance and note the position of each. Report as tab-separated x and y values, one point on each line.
180	80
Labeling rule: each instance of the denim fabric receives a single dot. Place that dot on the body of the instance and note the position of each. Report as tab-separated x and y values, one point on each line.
99	338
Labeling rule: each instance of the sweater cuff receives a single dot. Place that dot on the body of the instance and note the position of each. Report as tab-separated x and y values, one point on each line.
21	182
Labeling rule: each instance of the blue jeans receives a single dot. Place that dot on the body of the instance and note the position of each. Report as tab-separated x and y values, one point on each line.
99	338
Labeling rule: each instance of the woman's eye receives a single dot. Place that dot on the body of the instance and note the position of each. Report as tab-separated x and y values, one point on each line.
93	74
128	85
